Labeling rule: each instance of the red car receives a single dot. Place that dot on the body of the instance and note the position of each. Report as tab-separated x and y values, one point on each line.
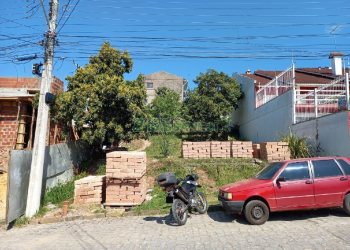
311	183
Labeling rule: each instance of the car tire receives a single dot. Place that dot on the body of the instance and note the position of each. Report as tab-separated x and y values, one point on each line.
347	204
256	212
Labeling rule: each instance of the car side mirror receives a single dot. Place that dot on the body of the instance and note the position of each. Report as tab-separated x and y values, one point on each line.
281	179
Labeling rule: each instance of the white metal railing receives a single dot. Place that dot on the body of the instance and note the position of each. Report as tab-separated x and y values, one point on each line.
330	98
279	85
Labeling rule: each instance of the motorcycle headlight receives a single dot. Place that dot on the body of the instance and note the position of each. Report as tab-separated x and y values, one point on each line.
228	196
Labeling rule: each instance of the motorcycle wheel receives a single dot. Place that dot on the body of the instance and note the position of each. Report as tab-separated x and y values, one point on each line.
179	211
202	204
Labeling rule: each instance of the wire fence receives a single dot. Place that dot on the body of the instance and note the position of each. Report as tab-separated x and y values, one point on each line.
311	104
279	85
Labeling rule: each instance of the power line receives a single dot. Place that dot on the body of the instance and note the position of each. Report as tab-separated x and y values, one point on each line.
68	16
64	12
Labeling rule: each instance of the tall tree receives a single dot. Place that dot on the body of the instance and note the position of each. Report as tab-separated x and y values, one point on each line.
211	103
166	115
101	103
166	105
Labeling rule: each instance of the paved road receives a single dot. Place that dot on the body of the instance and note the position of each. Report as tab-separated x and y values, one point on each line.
326	229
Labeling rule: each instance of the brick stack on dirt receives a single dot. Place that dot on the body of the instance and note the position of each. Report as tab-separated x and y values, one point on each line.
89	190
125	178
256	151
274	151
242	149
196	149
220	149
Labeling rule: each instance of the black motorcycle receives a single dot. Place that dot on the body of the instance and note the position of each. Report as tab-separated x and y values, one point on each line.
183	195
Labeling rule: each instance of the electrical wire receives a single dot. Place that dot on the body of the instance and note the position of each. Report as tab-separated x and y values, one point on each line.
68	16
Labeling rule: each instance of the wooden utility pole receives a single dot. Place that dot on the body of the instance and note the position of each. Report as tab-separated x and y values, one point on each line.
38	156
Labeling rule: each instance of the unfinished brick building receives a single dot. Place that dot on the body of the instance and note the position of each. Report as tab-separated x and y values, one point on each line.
17	122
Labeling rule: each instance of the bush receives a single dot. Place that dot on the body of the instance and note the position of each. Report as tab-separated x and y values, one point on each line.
298	146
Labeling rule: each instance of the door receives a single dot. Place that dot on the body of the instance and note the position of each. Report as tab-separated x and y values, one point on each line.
330	183
295	190
346	169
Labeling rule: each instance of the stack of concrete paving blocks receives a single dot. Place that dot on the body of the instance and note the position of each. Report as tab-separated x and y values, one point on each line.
89	190
242	149
126	183
196	149
274	151
220	149
256	151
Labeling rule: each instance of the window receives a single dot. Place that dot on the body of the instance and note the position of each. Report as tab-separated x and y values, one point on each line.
345	166
296	171
268	172
326	168
149	85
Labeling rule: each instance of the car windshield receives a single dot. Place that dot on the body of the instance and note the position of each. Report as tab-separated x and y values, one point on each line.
269	171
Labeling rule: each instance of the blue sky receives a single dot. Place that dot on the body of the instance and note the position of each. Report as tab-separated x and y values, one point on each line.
181	37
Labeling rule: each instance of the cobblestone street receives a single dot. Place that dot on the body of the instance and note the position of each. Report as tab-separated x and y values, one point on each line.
326	229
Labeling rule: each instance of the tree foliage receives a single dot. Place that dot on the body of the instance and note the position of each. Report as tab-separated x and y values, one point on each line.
166	116
102	104
213	100
166	105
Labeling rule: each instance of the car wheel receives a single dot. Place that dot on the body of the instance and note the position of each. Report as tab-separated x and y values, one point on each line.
256	212
347	204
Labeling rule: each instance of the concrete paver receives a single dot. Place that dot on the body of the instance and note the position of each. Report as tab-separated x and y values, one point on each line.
325	229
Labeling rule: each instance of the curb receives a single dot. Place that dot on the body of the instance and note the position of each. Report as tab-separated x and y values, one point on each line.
50	220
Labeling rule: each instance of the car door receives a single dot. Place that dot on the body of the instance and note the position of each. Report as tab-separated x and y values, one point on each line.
294	187
346	169
330	183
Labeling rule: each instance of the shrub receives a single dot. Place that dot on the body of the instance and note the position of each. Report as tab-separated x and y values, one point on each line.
298	146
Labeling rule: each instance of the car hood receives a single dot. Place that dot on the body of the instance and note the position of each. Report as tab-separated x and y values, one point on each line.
245	185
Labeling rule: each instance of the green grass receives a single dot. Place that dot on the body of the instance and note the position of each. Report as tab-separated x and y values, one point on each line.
222	171
21	221
155	150
156	204
60	193
213	173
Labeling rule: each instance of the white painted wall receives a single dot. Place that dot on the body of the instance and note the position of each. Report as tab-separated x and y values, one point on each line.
330	133
267	123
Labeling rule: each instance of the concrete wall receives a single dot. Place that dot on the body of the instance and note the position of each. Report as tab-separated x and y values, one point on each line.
268	122
330	134
59	162
164	79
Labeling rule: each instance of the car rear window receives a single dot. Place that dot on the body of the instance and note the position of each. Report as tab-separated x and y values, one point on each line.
268	172
326	168
345	166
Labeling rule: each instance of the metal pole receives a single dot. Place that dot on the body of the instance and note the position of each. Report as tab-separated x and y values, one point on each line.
294	95
276	86
38	156
347	91
316	103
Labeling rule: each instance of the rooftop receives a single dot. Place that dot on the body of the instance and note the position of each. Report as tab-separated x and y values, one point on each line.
302	76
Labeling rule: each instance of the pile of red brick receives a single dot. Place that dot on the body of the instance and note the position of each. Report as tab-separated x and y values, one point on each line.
126	165
242	149
220	149
274	151
196	149
269	151
125	178
89	190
